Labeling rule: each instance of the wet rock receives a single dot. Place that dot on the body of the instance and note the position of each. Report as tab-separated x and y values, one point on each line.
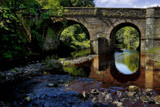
45	73
94	92
66	85
148	90
133	88
144	98
157	99
119	93
130	94
84	96
79	60
94	100
52	85
108	97
28	99
117	104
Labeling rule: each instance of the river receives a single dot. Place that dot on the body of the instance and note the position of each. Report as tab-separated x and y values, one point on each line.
104	72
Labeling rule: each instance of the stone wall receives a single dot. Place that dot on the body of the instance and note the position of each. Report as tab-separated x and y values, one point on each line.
152	28
101	22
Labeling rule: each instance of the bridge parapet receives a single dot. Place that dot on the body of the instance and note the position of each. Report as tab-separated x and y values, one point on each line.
106	12
154	12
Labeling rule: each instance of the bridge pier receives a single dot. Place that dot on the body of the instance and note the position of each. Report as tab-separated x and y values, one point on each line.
149	28
100	22
102	46
152	28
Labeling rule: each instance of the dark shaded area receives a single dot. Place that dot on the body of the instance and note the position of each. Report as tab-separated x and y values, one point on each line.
41	93
124	78
104	46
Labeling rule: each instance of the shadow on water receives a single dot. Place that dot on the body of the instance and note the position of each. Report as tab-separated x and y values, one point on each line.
126	68
117	69
121	69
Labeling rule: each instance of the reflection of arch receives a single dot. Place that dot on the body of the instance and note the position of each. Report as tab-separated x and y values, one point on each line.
117	26
122	77
109	75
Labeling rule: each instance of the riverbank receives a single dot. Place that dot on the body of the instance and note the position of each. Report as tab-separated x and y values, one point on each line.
39	68
65	91
45	84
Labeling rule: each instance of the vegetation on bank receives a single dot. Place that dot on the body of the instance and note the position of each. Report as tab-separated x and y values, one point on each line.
20	38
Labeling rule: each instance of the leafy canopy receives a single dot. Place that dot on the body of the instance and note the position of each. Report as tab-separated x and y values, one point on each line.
128	36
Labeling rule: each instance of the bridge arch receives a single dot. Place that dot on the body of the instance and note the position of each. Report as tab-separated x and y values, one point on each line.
57	27
67	23
117	26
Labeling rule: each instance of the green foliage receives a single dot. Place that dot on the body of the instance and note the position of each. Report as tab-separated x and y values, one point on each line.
81	53
65	3
76	71
20	37
13	39
131	60
76	37
129	37
83	3
18	4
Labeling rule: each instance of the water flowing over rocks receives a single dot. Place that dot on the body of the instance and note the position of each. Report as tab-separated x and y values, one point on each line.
32	85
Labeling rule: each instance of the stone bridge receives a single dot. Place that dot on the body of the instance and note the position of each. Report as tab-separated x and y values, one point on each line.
103	23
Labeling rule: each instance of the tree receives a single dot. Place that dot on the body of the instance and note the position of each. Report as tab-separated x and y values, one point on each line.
75	36
66	3
128	36
14	39
82	3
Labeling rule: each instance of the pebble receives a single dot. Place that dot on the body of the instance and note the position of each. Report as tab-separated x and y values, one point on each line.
133	88
52	85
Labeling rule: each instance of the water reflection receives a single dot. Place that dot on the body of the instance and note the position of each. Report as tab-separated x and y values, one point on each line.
108	69
127	62
125	68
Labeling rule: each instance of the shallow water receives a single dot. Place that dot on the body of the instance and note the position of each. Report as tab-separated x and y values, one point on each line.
125	68
119	70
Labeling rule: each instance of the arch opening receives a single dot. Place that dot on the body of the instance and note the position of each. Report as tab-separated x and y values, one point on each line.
126	36
74	40
126	41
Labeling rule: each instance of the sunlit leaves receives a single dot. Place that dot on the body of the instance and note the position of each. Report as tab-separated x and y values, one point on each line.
128	36
82	3
76	37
